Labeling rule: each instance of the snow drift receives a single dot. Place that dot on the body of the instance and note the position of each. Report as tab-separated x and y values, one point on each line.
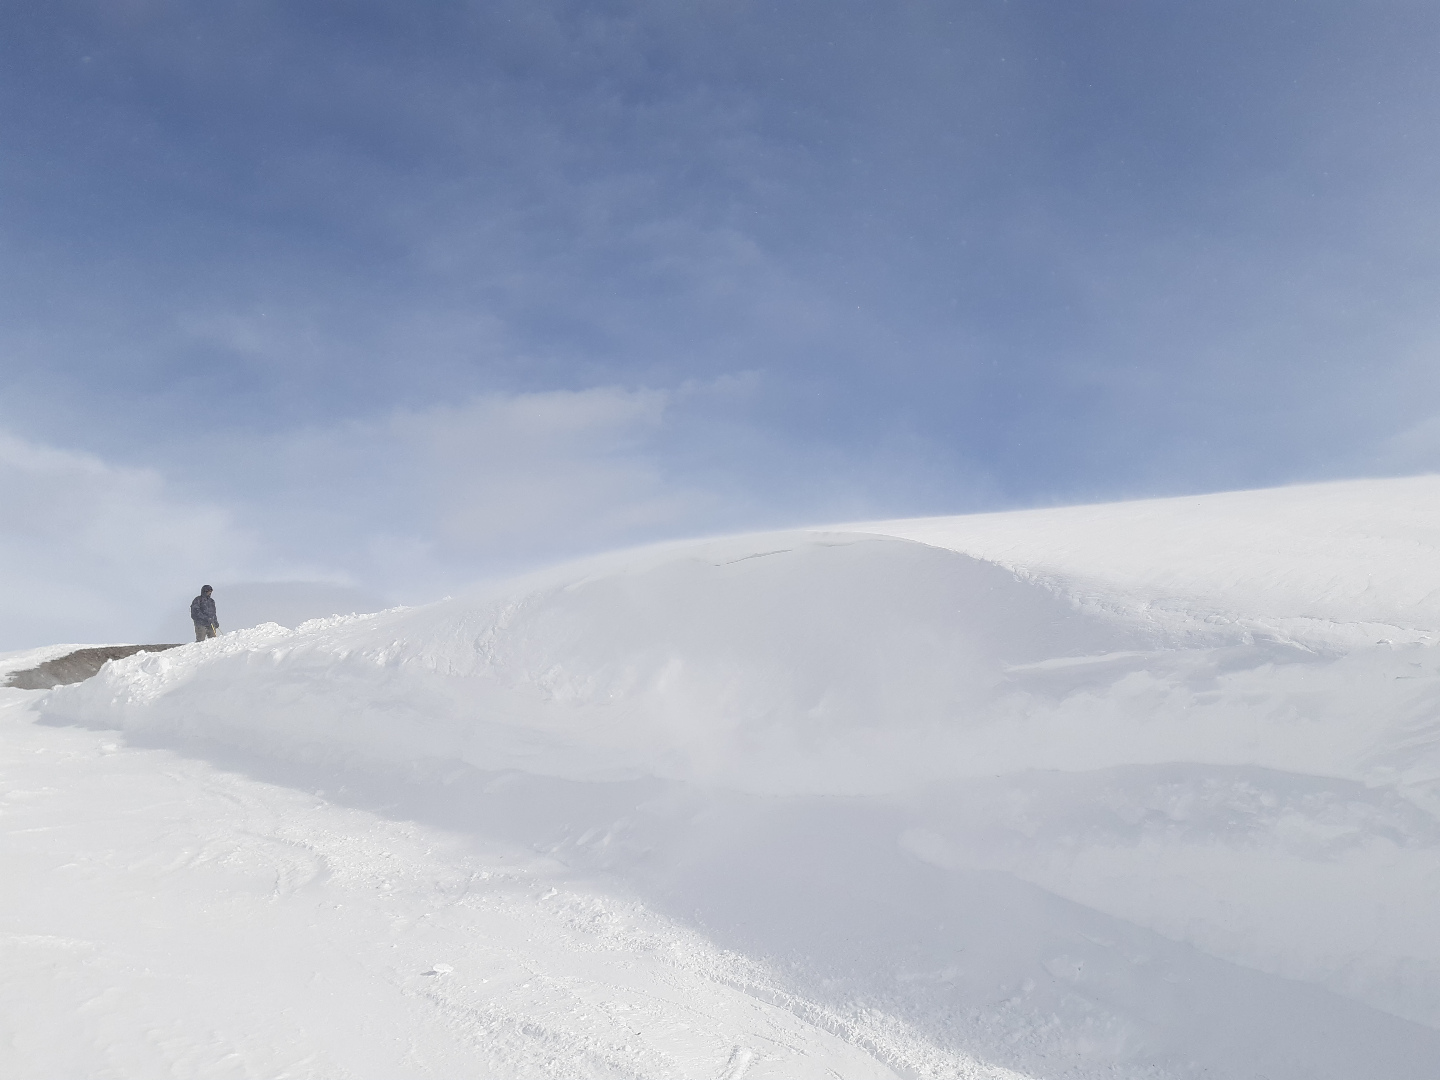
790	663
1148	789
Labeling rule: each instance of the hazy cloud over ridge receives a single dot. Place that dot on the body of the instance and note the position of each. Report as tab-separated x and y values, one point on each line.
86	546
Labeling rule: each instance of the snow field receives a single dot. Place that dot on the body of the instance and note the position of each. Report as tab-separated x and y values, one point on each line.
1147	790
167	918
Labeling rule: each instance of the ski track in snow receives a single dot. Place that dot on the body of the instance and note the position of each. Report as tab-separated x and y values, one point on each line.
1148	790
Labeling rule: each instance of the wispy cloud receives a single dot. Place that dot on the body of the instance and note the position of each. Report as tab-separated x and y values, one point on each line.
88	550
418	501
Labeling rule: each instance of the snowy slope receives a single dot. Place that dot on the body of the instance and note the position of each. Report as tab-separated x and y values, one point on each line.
1343	563
1148	789
162	917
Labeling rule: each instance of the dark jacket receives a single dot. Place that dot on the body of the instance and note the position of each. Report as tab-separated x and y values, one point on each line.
202	611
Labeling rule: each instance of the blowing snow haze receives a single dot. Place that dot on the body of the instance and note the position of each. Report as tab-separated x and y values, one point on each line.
394	297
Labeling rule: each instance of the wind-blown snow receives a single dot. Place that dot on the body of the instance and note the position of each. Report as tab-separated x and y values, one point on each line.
1142	790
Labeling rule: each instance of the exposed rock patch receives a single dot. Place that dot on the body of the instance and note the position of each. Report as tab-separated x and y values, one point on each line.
76	666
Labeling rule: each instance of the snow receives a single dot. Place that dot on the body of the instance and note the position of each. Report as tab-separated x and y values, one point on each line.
1342	563
166	918
1139	790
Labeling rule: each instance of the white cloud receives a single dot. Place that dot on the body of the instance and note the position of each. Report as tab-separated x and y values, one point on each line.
87	547
409	505
506	470
420	501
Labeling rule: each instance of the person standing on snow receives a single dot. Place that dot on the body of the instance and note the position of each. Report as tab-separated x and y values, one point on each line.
202	614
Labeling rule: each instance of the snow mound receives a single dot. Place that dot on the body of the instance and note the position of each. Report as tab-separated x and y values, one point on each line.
1140	790
794	663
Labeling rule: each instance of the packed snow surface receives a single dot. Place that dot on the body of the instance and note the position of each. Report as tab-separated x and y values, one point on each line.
1139	790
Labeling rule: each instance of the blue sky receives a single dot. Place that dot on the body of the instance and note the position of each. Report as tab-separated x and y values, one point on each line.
397	295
